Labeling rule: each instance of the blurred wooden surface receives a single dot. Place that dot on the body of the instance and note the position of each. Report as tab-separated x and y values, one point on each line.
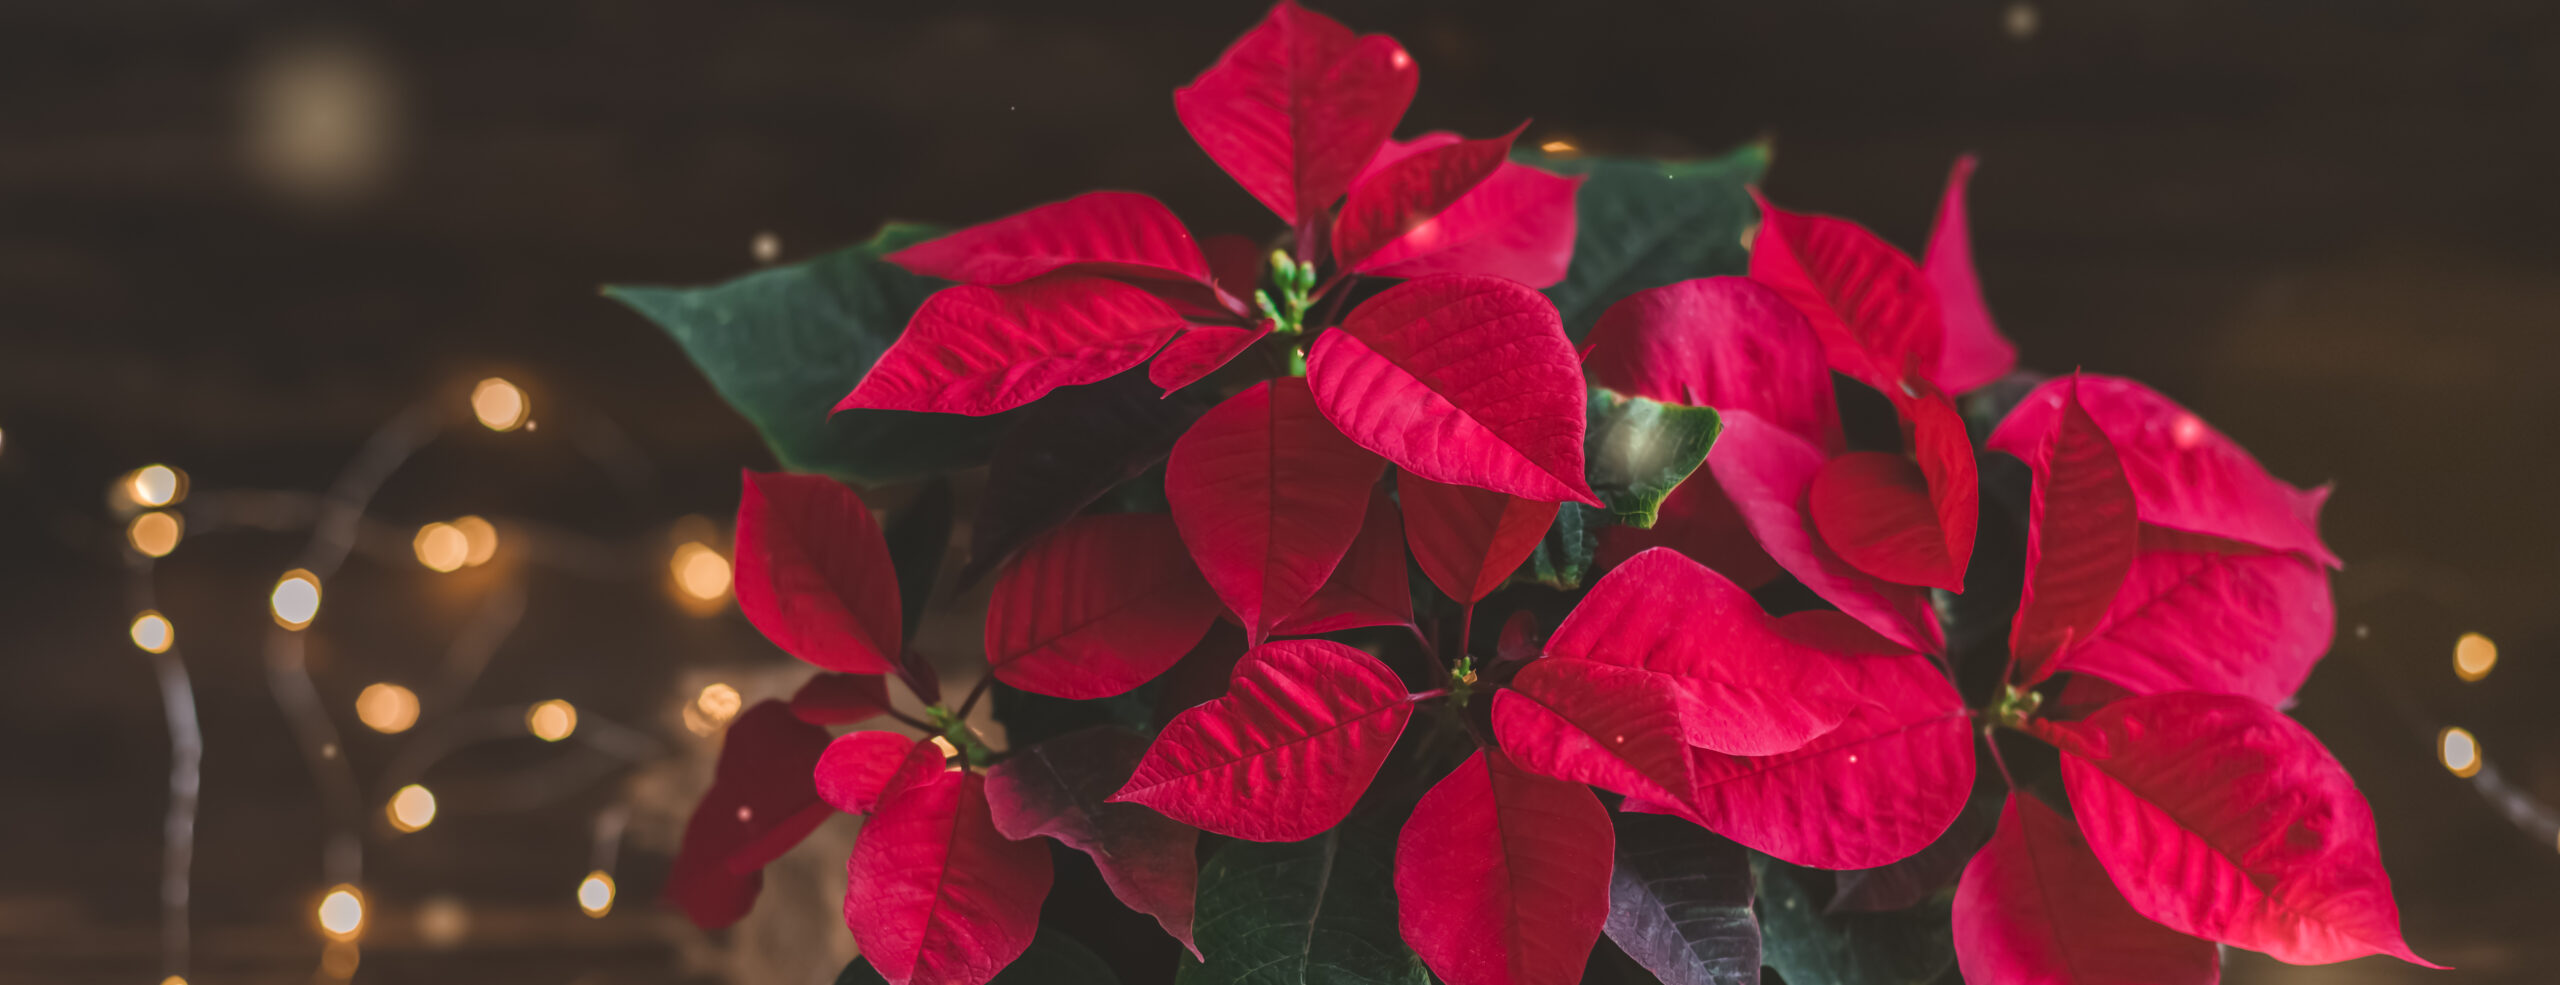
2326	227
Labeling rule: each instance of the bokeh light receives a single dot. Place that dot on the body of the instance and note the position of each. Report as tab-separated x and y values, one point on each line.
441	547
2459	752
551	721
387	708
152	632
500	405
296	599
595	893
154	534
443	921
412	808
700	572
2474	656
342	912
481	538
155	485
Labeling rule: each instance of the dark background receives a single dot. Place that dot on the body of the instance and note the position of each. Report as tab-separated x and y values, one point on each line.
2324	226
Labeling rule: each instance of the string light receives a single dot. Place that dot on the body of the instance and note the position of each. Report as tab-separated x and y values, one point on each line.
412	808
700	572
551	721
1560	147
387	708
2459	752
441	547
480	536
342	912
152	632
154	534
713	708
173	980
2474	656
296	599
500	405
595	894
155	485
443	921
2020	21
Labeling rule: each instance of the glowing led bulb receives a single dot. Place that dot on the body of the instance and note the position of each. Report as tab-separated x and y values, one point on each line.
342	912
152	632
2459	752
412	808
551	721
700	572
296	599
595	894
500	405
154	534
155	485
387	708
2474	656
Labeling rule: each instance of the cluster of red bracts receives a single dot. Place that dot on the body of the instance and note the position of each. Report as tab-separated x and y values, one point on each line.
2176	594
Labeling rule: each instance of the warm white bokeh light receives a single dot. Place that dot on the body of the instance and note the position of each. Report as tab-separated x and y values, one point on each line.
412	808
441	547
552	721
296	599
595	893
154	534
2459	752
700	572
2474	656
481	538
152	632
711	710
155	485
387	708
342	912
500	405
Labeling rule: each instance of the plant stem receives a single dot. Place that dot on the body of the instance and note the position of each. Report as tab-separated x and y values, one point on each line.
971	702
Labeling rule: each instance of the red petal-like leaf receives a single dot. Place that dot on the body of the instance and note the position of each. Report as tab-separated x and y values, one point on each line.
1369	587
1698	520
1975	353
934	894
2035	908
2219	817
1121	235
1873	510
979	350
1730	343
1749	689
1393	201
2185	475
1945	453
1464	380
1877	316
1235	262
1616	728
841	699
1201	351
1883	785
761	803
2082	533
1097	607
2202	615
1517	225
1502	876
1297	107
813	573
1303	727
1469	540
1061	788
1268	497
858	766
1769	471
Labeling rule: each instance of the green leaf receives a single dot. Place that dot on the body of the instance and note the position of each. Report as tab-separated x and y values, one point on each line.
1643	223
1563	557
1638	449
1052	959
1806	945
1314	912
782	346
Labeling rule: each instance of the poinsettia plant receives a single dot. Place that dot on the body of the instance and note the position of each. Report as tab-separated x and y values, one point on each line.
1497	554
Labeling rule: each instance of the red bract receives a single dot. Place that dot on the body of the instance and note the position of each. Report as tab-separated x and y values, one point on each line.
1297	107
935	894
1119	235
841	699
1302	728
2196	614
1269	497
1502	875
2081	537
1469	540
1201	351
1097	607
760	804
2221	818
1465	380
2035	908
1517	224
978	350
814	575
1369	587
1974	352
1769	472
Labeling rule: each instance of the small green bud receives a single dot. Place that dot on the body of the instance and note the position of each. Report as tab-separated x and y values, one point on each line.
1262	300
1284	271
1306	278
